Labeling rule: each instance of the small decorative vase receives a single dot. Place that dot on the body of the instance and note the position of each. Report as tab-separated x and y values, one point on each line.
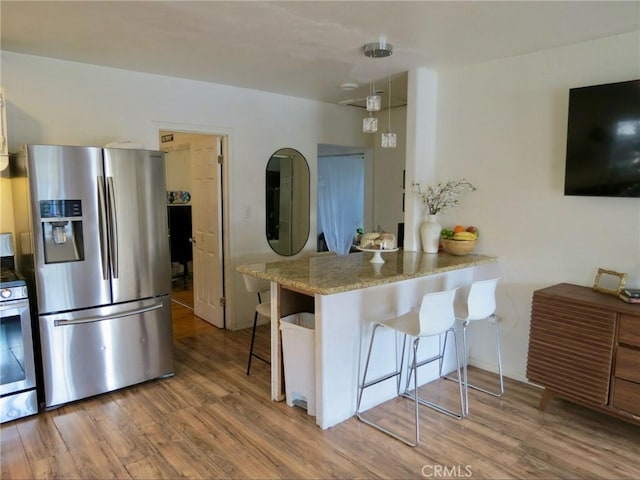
430	234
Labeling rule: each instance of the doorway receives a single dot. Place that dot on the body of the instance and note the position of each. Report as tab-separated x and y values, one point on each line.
340	200
195	212
364	198
180	246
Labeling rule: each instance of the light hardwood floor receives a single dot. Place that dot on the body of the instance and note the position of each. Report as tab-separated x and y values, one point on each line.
211	420
182	291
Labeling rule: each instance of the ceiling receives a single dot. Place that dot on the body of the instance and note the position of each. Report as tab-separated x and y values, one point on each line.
302	48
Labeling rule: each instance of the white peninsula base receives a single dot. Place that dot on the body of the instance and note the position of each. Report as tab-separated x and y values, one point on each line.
345	311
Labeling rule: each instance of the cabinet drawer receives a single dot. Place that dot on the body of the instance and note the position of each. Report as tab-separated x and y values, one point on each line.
626	396
629	332
628	364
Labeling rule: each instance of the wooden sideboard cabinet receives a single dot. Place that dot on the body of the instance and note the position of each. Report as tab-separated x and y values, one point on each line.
584	346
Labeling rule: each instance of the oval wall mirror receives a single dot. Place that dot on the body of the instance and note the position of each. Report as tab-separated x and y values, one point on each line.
287	202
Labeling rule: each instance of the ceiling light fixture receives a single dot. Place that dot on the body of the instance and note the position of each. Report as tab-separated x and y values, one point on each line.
348	86
389	139
379	49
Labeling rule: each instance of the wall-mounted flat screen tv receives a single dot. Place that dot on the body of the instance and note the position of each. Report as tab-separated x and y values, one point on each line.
603	141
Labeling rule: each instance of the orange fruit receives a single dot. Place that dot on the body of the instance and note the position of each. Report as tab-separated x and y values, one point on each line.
458	228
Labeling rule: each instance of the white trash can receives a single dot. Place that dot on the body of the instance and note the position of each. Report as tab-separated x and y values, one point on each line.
299	356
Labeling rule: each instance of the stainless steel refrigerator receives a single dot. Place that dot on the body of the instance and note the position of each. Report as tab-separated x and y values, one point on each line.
95	245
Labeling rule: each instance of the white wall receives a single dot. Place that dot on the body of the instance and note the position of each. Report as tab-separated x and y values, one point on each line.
388	166
502	125
58	102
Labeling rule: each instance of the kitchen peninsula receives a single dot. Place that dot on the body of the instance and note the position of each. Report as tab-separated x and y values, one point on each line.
347	294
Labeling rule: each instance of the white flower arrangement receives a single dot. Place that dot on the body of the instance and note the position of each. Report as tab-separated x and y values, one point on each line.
440	197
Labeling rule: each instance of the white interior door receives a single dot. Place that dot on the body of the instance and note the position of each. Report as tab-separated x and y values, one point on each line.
207	229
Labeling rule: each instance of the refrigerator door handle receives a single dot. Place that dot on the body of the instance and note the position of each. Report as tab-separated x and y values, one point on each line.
113	220
97	318
102	227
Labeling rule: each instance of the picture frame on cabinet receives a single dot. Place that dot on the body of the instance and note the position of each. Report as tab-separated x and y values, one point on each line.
609	281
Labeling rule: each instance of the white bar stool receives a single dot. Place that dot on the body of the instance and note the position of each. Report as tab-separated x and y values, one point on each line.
434	317
480	305
262	288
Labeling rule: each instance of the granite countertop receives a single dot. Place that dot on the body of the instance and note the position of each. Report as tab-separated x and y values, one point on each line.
329	274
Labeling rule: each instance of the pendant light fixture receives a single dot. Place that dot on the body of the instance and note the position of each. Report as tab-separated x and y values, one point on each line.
389	139
374	103
370	124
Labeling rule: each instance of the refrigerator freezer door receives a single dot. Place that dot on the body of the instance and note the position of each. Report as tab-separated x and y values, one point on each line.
139	236
95	351
66	178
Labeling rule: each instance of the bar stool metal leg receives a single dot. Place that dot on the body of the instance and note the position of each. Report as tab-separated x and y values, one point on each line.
257	286
366	369
440	358
480	305
413	395
494	320
253	339
434	317
397	374
465	355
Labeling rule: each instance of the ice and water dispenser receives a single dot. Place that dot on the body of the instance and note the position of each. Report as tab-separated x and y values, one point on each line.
62	230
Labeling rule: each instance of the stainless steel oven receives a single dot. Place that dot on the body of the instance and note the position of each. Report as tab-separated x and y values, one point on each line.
18	396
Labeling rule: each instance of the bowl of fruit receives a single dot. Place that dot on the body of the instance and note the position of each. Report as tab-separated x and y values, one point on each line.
459	240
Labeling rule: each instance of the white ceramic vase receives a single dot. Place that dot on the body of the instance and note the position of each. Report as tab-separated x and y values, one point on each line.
430	234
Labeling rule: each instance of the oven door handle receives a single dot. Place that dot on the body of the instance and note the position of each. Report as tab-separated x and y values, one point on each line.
97	318
13	308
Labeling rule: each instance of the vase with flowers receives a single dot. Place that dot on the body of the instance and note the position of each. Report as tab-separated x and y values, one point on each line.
437	199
